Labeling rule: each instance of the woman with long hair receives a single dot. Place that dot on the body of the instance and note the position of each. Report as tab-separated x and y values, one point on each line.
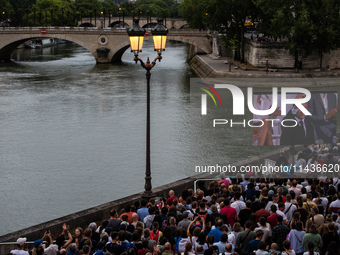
155	234
296	218
188	249
78	235
236	231
201	240
287	249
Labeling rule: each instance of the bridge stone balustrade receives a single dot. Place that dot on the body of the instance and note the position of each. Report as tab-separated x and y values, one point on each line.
106	45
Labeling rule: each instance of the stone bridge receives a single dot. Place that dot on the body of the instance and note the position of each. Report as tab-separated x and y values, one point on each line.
106	45
171	23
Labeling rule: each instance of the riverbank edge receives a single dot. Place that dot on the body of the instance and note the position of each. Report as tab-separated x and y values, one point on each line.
205	70
101	212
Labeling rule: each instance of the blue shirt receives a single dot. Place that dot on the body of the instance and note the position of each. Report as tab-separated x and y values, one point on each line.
251	194
244	185
142	213
216	232
295	238
253	245
221	246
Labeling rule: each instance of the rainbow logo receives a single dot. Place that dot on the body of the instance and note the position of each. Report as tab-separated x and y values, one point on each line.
209	93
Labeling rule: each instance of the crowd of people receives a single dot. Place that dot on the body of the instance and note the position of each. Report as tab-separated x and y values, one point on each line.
243	215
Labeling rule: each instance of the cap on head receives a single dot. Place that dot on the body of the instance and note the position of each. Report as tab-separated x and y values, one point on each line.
21	241
37	243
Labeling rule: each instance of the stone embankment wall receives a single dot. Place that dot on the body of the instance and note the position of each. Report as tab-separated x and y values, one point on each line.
99	213
279	57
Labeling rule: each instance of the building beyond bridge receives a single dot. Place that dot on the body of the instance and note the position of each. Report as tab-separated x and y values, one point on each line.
106	45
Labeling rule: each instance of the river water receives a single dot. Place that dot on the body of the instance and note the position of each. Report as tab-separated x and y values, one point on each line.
72	133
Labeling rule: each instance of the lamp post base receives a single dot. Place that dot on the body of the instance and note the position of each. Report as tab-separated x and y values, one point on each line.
148	194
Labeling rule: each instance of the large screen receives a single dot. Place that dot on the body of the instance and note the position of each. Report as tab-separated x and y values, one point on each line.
296	127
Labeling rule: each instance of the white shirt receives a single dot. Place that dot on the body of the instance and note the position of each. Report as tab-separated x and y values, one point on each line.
231	238
325	102
264	104
292	209
51	250
238	205
261	252
324	202
282	214
335	204
19	252
266	232
307	253
292	253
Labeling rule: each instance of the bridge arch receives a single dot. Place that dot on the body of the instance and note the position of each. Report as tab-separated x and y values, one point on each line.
86	24
106	45
122	47
6	52
119	24
150	25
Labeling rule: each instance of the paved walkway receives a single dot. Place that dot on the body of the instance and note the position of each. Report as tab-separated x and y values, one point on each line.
221	67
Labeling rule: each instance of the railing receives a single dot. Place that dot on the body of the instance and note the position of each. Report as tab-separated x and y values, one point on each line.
189	32
6	247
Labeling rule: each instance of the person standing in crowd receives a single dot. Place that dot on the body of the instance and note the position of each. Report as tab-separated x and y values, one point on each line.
20	250
312	237
158	229
280	232
295	237
171	198
244	238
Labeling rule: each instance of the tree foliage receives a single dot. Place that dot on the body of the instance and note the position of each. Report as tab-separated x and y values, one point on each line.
310	26
158	8
195	12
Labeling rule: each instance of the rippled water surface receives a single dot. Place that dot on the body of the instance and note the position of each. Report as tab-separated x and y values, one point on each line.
72	133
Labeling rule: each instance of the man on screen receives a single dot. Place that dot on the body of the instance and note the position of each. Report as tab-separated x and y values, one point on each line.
323	107
302	133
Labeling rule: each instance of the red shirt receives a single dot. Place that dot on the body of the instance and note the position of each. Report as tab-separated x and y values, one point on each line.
169	201
128	214
272	220
231	213
259	214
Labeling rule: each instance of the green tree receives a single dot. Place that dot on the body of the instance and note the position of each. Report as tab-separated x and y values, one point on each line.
325	16
158	8
53	12
195	12
128	7
88	7
309	26
229	19
108	5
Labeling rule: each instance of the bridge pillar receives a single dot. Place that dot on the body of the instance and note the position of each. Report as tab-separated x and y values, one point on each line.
103	55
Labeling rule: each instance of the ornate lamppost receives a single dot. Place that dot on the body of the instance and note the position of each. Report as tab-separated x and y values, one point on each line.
136	36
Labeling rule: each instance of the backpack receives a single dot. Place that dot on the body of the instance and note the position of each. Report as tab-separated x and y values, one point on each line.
203	216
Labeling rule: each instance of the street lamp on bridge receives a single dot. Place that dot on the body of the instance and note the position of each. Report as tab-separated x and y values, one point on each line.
136	36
